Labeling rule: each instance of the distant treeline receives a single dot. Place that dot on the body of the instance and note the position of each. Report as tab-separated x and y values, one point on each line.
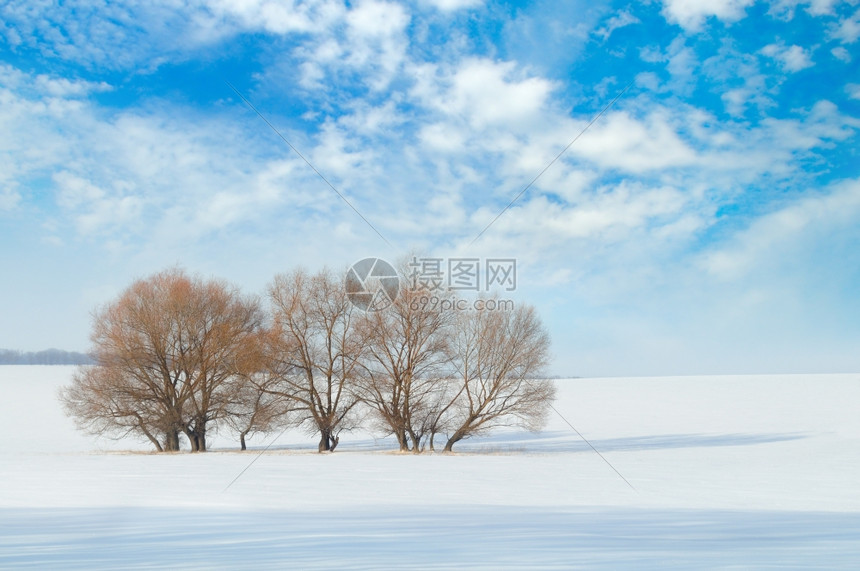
46	357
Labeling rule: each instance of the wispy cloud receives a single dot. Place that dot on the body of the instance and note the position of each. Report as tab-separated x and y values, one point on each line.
430	117
751	247
615	22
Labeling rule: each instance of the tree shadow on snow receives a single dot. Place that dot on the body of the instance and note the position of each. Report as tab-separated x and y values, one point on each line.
566	441
556	441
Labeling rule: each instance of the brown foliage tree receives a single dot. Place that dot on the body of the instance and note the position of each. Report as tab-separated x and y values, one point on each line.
107	404
165	354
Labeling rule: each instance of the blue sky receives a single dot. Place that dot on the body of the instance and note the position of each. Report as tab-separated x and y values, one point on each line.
707	222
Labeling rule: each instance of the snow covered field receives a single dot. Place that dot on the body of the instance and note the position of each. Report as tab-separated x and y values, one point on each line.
729	472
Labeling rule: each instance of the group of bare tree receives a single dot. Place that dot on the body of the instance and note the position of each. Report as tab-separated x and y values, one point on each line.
178	355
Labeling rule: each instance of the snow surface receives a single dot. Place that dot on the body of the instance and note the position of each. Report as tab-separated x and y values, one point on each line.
729	472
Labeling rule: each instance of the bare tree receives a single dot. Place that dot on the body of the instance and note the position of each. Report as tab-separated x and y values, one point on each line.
165	352
499	357
315	352
256	407
407	354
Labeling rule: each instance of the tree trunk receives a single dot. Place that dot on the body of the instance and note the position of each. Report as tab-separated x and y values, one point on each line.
198	441
152	439
416	443
402	440
192	439
171	441
197	438
455	438
242	441
328	441
325	444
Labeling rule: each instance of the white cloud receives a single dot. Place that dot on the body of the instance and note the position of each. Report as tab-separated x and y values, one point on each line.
277	16
744	85
611	214
648	80
426	139
853	90
848	29
366	45
452	5
144	35
771	238
443	137
682	65
775	147
480	131
30	144
841	54
689	164
376	39
9	198
484	93
374	19
619	20
547	35
786	8
114	35
62	87
821	7
792	58
140	180
737	100
680	61
366	119
316	59
45	85
691	14
95	211
621	141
